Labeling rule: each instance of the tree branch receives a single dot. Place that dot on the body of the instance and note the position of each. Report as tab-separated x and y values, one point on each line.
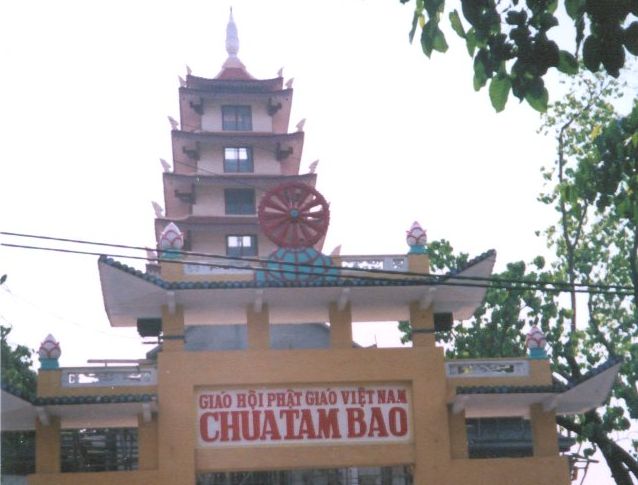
617	458
593	323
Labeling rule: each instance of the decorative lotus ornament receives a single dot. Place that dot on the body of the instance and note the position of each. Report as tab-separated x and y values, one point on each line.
536	342
171	241
416	238
49	353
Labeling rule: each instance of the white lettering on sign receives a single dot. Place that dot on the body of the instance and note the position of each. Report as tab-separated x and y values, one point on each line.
239	417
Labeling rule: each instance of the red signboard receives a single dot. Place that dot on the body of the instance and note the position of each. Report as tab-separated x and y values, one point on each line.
313	415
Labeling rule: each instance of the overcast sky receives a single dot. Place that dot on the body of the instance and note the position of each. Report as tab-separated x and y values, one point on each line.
86	89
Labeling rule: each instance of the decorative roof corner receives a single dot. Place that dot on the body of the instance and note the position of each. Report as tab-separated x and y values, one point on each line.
576	397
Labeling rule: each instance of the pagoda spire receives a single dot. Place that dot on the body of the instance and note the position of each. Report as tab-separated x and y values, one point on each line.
233	67
232	37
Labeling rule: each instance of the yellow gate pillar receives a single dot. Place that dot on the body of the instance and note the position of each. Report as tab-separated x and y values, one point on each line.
544	434
340	326
258	328
47	446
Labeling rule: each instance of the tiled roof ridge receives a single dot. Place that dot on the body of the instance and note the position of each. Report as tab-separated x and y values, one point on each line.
226	135
205	83
19	393
235	176
475	260
341	282
92	399
532	389
594	371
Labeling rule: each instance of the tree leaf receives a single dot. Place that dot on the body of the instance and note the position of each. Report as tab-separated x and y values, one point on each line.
538	99
427	39
499	91
595	133
574	8
415	21
433	7
630	38
457	26
613	58
470	41
480	72
591	53
438	42
567	63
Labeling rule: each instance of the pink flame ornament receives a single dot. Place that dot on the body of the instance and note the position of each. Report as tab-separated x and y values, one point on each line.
50	348
171	238
416	238
536	342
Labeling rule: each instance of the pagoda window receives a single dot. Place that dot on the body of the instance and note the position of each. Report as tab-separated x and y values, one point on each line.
241	245
238	160
237	118
98	449
239	201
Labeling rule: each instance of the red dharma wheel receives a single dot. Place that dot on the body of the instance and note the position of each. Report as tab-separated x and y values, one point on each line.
294	215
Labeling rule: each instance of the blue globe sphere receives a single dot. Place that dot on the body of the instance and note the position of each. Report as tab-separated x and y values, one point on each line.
296	265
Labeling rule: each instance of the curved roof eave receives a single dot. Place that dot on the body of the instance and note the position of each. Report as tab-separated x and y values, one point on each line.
130	294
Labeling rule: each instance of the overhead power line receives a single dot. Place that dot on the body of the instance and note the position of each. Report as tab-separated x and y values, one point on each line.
361	273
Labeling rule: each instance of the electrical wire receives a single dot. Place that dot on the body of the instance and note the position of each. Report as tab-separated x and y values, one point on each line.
413	278
563	285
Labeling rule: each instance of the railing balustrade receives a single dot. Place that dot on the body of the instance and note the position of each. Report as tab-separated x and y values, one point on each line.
380	262
487	368
108	376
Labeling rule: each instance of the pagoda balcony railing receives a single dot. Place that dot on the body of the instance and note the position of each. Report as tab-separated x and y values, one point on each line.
108	376
218	266
222	266
487	368
385	262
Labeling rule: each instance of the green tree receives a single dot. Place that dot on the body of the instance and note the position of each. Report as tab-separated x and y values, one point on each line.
17	366
18	448
615	180
591	185
511	41
593	241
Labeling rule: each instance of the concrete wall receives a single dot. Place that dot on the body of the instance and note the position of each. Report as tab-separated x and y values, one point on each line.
234	337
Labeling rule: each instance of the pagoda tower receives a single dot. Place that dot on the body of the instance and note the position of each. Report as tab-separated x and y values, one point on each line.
230	146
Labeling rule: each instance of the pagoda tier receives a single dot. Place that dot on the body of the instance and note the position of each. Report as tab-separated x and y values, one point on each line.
181	192
209	234
201	95
203	153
